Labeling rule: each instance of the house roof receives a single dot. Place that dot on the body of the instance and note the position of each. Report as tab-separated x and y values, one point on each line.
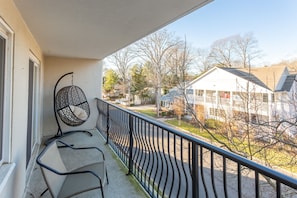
98	28
246	75
174	92
169	97
267	77
270	76
288	82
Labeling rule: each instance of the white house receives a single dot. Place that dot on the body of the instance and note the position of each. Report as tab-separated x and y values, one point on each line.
260	94
42	40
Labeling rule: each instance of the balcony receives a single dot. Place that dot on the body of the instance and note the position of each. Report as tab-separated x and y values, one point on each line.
120	185
169	163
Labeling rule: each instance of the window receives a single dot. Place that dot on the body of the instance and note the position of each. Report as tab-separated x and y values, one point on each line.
6	44
33	102
272	98
265	97
224	94
217	112
2	72
212	111
199	92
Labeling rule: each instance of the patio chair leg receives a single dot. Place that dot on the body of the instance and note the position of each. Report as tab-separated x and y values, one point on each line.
101	187
107	177
43	192
102	193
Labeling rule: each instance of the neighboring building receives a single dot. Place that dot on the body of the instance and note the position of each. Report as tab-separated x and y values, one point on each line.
261	95
167	100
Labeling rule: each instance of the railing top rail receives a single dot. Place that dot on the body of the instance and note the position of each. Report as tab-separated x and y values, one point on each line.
285	179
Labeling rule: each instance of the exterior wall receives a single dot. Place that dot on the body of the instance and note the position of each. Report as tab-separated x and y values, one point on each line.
285	108
87	75
206	91
13	185
213	85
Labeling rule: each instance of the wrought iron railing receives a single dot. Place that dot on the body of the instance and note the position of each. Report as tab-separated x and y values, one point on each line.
171	163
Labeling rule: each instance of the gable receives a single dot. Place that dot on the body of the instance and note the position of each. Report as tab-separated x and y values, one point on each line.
228	79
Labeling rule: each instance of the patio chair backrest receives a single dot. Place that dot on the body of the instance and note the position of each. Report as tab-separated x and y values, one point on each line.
51	159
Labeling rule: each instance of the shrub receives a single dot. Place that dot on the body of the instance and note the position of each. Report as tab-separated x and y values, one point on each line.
212	124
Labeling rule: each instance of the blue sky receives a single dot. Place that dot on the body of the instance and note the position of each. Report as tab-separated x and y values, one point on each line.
272	22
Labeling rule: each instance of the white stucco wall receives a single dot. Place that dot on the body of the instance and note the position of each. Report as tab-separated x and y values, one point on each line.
24	43
87	75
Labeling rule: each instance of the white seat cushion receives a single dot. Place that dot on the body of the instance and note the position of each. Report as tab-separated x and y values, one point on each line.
79	112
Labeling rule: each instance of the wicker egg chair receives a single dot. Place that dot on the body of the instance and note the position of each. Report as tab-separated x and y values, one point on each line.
71	105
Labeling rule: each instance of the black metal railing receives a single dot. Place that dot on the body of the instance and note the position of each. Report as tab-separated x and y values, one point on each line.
170	163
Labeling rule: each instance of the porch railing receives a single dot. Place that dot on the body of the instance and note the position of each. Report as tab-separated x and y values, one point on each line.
171	163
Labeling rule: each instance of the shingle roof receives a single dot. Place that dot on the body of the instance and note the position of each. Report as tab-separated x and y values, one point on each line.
246	75
288	82
267	77
270	76
171	95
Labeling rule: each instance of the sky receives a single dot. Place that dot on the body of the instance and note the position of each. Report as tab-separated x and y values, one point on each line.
273	24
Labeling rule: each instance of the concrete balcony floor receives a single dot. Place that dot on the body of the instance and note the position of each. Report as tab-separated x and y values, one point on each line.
120	185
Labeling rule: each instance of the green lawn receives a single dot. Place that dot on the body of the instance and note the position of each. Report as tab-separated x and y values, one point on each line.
195	130
274	155
149	112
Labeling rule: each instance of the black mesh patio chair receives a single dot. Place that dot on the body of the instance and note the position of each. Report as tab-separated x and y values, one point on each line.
66	183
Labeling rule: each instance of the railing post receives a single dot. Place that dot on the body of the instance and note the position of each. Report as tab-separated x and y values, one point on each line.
130	166
107	123
195	182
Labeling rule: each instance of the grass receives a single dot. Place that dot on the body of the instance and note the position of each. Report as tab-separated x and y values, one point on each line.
273	155
149	112
194	130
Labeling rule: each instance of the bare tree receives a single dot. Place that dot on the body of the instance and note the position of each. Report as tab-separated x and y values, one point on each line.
179	60
179	107
234	51
203	60
246	48
123	61
153	50
222	52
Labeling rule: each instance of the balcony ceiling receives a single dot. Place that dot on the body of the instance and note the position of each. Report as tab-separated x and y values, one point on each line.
97	28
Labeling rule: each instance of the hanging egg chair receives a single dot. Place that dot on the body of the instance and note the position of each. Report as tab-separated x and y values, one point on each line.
71	105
